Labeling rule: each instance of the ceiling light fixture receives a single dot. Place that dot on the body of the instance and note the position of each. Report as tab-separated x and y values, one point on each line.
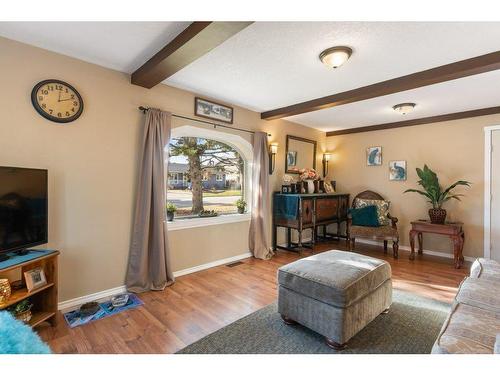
335	56
404	108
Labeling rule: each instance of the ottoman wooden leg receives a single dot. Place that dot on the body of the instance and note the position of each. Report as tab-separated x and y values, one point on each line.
334	345
288	321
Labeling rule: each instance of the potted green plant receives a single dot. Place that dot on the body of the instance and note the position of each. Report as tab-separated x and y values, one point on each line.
241	205
437	196
22	310
171	208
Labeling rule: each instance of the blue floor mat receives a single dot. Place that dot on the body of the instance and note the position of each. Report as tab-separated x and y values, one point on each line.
74	319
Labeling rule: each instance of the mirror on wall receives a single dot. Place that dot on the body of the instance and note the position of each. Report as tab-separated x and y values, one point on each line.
300	153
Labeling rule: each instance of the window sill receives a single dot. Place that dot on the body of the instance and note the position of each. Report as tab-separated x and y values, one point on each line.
206	221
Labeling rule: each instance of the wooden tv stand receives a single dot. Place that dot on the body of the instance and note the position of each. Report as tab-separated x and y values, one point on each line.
44	299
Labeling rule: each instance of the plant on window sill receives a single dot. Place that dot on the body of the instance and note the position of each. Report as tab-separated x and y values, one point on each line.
241	205
171	208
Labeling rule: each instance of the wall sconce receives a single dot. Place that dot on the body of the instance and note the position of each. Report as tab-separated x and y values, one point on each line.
273	150
326	159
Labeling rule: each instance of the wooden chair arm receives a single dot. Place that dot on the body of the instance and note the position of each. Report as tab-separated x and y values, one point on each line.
393	219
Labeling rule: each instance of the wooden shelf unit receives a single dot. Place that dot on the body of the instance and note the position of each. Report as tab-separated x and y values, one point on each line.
44	299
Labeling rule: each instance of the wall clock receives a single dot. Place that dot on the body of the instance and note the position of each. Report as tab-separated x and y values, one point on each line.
57	101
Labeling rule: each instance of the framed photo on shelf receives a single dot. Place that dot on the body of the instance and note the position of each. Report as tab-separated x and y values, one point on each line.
35	279
212	110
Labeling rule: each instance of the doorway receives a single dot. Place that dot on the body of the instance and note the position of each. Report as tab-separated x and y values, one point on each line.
492	193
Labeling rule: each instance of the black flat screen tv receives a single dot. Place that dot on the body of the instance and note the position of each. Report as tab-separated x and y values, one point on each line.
23	208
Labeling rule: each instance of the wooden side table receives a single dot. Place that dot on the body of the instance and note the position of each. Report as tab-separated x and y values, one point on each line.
452	230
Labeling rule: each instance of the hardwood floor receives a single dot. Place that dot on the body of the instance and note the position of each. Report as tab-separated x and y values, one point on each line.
202	302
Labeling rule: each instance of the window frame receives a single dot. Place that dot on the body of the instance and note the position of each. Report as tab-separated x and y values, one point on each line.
244	148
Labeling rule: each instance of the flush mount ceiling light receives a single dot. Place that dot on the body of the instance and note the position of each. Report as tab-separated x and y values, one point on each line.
335	56
404	108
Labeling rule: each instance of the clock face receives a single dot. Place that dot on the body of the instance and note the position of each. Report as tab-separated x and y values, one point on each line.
57	101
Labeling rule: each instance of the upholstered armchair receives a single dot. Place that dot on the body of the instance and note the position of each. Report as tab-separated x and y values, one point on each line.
385	232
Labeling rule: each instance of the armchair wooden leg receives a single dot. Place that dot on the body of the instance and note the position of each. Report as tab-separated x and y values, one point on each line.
395	249
352	244
385	246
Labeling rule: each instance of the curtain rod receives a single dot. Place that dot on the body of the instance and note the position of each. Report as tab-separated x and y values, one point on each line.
145	109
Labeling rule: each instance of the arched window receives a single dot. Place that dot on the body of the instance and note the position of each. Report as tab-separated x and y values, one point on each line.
208	172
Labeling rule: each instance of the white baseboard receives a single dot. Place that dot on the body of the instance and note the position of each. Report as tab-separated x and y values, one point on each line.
70	304
408	248
215	263
401	247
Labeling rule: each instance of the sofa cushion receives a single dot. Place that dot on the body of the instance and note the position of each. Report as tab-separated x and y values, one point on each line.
467	330
479	293
365	216
485	269
338	278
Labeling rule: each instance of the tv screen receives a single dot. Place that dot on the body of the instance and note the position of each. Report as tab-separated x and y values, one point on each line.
23	208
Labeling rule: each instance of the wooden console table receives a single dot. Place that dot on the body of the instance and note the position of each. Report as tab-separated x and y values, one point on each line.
312	211
452	230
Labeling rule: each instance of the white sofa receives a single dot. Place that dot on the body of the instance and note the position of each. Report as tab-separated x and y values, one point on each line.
473	324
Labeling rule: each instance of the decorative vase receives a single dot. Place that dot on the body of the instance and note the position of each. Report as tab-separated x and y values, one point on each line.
5	291
437	215
170	216
241	210
310	186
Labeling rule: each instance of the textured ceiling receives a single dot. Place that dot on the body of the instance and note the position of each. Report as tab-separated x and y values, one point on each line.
122	46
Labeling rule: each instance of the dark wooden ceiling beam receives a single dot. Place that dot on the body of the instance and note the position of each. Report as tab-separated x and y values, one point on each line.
459	69
195	41
418	121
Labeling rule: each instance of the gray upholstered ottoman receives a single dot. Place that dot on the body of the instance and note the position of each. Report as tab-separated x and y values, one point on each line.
335	293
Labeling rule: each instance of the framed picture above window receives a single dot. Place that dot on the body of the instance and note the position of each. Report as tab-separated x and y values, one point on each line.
213	110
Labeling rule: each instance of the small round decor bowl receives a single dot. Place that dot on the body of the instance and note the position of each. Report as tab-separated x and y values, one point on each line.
89	308
24	316
119	300
5	291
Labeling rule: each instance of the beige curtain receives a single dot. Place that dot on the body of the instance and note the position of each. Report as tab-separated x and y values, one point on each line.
261	213
149	265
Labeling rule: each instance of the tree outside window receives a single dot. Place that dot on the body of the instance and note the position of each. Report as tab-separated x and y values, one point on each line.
210	176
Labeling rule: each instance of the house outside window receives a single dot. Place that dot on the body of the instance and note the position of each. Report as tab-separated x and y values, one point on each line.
210	174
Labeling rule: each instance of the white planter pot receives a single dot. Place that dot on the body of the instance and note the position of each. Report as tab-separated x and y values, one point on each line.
310	186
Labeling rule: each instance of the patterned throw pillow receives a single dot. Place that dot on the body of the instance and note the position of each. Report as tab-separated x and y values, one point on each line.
382	208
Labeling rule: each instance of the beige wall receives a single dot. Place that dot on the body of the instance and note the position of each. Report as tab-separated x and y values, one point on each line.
92	165
453	149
